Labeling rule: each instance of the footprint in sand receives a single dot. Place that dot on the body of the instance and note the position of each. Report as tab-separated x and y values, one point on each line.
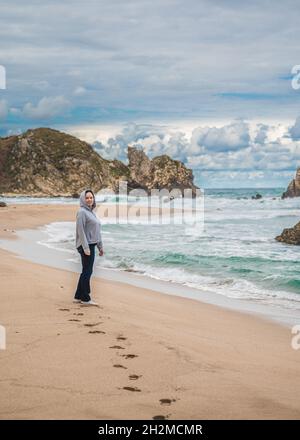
96	331
129	356
78	314
121	338
131	389
85	305
117	347
119	366
134	376
64	310
92	324
75	320
166	401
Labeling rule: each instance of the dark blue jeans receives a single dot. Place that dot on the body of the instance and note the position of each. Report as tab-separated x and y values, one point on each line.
83	287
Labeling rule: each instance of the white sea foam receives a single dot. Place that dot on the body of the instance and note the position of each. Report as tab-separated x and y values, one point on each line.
236	255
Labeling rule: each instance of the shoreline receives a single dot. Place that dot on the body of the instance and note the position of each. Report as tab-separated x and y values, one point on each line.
60	259
25	237
22	236
64	361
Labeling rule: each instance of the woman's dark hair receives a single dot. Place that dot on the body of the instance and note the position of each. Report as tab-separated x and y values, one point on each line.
89	190
94	198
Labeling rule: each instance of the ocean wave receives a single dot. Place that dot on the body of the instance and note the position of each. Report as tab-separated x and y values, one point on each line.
235	254
230	287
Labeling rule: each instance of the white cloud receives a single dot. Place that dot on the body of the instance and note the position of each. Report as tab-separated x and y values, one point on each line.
79	91
227	138
46	108
261	134
295	130
251	146
155	140
269	159
165	62
15	111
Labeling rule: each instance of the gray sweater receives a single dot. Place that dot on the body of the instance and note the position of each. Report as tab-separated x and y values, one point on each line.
88	226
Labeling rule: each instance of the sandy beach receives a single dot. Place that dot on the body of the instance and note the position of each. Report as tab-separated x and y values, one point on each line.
140	355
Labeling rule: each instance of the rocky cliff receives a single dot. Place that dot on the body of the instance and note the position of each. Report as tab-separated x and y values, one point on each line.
290	235
293	189
161	172
45	162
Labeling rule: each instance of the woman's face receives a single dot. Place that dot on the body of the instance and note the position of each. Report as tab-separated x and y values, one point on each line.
89	199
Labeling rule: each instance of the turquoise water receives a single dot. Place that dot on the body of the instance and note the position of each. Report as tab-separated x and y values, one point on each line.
234	254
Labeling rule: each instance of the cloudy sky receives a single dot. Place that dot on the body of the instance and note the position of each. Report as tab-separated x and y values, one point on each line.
209	82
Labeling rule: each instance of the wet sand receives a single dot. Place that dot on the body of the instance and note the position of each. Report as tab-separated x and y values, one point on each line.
140	355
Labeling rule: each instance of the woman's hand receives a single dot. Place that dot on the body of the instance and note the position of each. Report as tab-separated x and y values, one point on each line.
87	252
101	253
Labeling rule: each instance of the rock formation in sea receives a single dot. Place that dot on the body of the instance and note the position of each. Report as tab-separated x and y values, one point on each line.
161	172
290	235
293	189
44	162
256	197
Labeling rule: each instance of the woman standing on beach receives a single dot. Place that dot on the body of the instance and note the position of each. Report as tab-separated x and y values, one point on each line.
88	235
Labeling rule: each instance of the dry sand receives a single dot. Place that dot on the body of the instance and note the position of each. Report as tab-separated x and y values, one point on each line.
139	355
